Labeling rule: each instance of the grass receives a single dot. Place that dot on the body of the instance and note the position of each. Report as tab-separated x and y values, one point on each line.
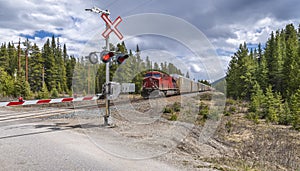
172	110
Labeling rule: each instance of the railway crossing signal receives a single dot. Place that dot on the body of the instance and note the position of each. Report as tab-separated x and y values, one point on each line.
106	56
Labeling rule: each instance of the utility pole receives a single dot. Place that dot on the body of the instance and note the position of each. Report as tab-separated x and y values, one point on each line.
43	76
19	57
27	44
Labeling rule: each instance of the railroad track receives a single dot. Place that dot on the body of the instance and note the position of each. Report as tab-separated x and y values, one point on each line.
13	115
17	114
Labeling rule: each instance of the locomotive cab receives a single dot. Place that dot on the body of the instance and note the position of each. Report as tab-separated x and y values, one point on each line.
156	83
151	83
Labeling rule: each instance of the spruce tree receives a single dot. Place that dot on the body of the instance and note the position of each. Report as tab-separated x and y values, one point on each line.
270	106
156	67
232	78
4	58
285	117
257	99
261	69
239	74
187	75
295	109
148	63
6	84
13	59
49	63
291	80
36	69
70	71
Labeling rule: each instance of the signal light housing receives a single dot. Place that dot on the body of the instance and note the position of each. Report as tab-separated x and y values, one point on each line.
93	58
106	56
121	58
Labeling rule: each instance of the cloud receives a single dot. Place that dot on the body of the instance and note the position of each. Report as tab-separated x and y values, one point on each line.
226	24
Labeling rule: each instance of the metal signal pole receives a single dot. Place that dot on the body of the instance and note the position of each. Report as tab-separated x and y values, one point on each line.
107	101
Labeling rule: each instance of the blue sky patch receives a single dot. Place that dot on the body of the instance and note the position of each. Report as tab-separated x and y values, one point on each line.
255	46
40	34
222	52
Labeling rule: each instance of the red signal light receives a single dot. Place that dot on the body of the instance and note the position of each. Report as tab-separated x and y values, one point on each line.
107	56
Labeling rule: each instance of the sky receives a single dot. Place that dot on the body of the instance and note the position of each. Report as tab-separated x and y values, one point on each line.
224	24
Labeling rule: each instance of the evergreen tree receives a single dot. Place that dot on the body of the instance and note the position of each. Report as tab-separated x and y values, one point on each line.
137	49
232	78
27	93
49	63
247	77
270	106
13	59
238	74
36	69
187	75
22	87
257	99
148	63
285	116
43	93
291	63
70	65
65	54
295	109
279	67
156	67
274	55
60	63
4	58
269	55
262	70
6	84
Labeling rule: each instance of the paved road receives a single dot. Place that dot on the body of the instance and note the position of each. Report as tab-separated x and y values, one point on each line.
51	146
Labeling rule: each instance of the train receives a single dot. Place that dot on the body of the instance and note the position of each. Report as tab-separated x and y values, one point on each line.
157	83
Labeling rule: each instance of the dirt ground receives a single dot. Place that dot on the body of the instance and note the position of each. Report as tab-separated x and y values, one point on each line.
192	140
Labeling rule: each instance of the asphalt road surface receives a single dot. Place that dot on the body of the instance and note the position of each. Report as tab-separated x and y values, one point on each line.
44	145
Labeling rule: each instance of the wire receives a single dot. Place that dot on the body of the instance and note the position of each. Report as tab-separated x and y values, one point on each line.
138	6
110	4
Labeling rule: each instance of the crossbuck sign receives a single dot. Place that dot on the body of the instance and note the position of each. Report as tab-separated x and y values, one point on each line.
112	26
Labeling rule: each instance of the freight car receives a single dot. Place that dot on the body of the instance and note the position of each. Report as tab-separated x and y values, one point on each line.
156	83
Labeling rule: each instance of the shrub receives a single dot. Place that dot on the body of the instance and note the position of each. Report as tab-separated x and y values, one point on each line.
253	117
176	106
230	102
232	109
167	110
43	94
173	117
206	96
203	110
54	93
228	126
226	113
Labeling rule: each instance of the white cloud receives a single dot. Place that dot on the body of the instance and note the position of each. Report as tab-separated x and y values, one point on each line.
226	24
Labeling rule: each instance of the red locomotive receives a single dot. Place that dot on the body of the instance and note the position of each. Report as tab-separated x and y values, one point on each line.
157	83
